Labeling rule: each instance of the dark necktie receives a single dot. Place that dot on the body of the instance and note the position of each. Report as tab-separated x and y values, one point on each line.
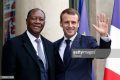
67	56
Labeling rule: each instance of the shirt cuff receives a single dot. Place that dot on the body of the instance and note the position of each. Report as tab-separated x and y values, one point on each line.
107	38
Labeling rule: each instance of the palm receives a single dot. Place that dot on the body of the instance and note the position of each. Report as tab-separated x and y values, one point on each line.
102	25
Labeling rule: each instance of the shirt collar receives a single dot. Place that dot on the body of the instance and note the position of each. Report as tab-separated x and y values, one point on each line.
72	38
31	37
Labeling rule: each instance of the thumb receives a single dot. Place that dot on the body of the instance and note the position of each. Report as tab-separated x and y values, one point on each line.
96	28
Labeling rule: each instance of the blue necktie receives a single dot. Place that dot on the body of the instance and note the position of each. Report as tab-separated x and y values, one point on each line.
67	56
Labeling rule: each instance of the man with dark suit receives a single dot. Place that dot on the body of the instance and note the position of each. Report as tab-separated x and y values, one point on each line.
68	68
21	57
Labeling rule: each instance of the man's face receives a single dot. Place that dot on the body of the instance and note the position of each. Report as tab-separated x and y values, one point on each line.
35	22
69	24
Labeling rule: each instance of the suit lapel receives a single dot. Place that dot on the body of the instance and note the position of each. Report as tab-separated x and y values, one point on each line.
57	51
29	47
76	43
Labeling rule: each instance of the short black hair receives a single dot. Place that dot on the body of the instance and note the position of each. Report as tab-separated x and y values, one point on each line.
33	10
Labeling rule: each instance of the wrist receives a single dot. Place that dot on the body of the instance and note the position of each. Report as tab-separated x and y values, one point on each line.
104	35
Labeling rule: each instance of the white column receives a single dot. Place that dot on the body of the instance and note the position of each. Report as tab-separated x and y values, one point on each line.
102	6
52	9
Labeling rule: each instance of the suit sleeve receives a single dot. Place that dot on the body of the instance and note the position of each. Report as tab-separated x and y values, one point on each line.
102	50
8	59
103	44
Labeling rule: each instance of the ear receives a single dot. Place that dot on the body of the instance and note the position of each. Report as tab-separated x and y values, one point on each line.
26	21
60	24
78	24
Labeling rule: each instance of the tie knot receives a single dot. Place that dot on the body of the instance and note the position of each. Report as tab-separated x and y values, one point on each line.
67	41
37	40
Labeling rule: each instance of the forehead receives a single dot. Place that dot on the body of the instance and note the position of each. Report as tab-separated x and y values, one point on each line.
36	13
69	16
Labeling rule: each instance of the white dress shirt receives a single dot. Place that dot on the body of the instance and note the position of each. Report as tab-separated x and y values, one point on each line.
63	45
32	39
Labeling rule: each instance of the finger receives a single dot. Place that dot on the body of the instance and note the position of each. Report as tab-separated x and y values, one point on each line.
101	17
104	17
98	20
98	17
96	28
107	21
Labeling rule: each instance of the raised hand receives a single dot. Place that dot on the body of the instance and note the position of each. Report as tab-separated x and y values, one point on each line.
102	24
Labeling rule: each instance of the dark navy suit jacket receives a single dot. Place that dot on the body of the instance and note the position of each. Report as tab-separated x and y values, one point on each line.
19	59
78	68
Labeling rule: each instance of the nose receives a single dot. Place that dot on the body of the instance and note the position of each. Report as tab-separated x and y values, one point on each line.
38	20
70	24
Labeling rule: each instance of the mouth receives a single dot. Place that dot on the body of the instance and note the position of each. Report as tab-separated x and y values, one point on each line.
70	30
36	27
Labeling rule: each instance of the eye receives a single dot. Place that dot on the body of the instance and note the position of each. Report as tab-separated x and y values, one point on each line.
38	18
41	19
33	18
73	22
66	22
